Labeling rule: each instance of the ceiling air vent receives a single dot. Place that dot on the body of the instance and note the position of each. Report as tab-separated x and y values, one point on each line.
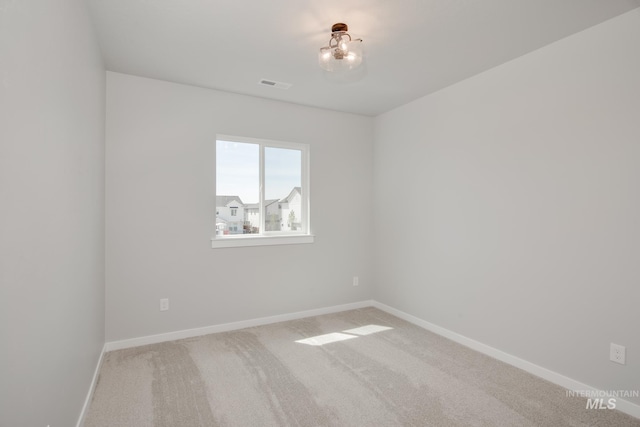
272	83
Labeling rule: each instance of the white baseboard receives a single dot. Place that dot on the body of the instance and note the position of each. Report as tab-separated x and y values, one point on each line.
189	333
551	376
92	387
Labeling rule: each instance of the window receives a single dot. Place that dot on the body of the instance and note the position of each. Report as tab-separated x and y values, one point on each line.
268	184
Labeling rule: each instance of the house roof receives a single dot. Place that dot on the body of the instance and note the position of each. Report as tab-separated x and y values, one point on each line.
256	205
225	200
290	196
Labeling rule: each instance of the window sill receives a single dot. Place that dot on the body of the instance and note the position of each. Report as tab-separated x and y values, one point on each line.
240	241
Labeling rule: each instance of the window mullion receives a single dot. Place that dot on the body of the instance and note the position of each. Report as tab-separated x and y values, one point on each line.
263	221
305	190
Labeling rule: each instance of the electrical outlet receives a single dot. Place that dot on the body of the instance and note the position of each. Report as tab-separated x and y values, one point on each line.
164	304
355	281
617	353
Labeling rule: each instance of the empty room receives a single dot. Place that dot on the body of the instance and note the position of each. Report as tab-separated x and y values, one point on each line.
319	213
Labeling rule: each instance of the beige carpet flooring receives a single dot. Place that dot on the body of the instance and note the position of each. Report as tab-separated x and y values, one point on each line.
356	368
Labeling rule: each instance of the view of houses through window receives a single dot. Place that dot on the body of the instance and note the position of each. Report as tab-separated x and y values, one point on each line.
239	194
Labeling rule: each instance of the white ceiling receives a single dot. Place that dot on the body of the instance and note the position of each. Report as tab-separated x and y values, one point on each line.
412	47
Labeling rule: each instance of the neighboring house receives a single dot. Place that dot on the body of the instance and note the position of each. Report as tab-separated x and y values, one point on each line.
252	216
235	217
222	226
230	215
291	211
272	219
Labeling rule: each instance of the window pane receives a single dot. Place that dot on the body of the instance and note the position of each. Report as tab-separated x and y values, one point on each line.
237	187
283	178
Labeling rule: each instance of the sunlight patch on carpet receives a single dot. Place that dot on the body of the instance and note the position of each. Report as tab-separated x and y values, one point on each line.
344	335
367	330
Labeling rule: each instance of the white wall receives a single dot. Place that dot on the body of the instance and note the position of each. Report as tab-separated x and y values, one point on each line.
528	180
52	87
161	210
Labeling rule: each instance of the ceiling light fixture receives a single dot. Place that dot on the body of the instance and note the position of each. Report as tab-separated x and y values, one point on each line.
343	52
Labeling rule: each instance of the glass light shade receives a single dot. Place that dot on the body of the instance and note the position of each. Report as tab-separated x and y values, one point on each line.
343	44
351	58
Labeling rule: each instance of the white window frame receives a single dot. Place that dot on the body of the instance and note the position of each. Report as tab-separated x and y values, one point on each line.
268	238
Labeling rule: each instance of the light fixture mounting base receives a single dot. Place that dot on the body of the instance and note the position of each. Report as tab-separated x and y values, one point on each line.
339	27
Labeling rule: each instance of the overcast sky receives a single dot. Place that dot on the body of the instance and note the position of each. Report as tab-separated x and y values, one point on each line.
237	171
